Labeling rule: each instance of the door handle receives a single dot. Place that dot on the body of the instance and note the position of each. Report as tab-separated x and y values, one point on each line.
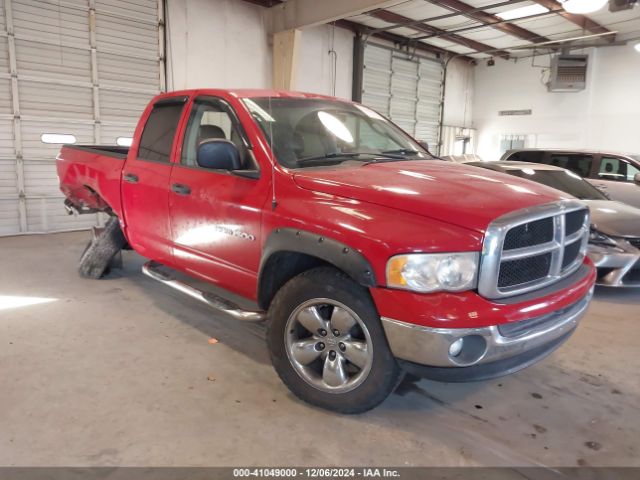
130	177
181	189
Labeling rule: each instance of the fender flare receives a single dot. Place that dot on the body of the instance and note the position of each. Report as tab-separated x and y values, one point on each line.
342	256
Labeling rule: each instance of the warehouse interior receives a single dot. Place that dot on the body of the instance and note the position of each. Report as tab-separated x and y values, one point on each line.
123	371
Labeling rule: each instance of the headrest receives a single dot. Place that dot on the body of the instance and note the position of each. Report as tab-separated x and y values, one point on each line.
210	131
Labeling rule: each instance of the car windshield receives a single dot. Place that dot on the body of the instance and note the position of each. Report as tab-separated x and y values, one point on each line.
562	180
306	132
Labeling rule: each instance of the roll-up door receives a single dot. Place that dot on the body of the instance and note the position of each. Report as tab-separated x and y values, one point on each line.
406	89
85	68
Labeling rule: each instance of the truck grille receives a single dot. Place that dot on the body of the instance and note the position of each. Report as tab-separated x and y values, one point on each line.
529	234
516	272
526	250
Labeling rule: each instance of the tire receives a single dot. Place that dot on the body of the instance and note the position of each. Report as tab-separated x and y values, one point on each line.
96	258
355	377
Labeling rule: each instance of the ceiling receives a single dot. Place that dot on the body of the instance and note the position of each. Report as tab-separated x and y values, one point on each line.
473	28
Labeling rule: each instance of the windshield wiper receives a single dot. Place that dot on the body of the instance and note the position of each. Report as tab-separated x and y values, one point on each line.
342	155
402	151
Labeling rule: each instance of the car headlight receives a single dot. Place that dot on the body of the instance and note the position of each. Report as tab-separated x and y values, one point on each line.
599	238
431	272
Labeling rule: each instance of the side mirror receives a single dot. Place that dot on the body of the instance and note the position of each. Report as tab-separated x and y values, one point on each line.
424	145
636	178
218	154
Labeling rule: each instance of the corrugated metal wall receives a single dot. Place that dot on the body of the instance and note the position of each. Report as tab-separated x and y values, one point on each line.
81	67
407	90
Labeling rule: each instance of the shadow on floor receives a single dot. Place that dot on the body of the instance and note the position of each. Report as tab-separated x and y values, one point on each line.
626	295
247	338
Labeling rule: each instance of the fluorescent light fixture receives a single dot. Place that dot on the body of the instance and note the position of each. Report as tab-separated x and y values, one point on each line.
57	138
583	6
124	141
522	12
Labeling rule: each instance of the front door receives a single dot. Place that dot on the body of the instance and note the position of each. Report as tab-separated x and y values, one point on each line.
145	182
615	177
215	214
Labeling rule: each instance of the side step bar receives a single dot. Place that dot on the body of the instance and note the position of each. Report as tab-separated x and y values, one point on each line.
150	269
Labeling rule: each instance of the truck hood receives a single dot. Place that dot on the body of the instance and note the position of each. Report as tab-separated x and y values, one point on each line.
614	218
466	196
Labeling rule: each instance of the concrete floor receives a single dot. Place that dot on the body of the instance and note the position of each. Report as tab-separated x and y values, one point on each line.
120	372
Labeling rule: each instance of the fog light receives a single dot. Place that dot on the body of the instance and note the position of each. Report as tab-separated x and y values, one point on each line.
456	347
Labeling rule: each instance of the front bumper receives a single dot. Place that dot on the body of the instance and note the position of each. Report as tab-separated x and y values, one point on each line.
484	345
617	266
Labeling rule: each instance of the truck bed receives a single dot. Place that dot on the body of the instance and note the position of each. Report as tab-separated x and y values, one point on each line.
90	176
106	150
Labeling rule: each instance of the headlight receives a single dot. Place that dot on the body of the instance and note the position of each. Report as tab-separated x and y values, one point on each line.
598	238
422	272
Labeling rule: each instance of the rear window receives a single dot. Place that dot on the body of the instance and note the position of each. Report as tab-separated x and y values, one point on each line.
533	157
158	133
564	181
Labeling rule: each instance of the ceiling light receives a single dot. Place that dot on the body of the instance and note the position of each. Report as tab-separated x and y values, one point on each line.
637	47
522	12
583	6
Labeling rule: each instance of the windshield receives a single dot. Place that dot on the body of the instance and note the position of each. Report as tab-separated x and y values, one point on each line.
564	181
315	132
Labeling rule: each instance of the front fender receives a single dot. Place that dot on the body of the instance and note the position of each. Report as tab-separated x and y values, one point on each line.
342	256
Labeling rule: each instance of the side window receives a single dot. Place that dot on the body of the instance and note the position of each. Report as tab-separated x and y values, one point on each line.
533	156
159	131
211	118
578	164
616	169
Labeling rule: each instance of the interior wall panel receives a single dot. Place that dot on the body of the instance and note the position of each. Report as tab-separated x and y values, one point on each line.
73	76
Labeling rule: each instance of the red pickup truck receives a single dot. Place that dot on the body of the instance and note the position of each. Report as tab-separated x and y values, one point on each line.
366	256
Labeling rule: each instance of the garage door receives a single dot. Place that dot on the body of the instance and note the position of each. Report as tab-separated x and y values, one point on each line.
77	67
407	90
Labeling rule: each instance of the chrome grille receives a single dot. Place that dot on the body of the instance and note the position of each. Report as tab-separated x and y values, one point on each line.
517	272
529	234
532	248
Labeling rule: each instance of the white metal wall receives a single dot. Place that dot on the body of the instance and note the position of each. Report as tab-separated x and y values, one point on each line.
81	67
407	90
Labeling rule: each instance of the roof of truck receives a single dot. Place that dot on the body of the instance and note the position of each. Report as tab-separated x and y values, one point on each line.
252	93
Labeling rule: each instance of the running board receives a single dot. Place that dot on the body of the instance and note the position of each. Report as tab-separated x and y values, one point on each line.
150	269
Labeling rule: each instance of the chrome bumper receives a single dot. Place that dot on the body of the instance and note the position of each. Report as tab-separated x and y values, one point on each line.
615	263
433	346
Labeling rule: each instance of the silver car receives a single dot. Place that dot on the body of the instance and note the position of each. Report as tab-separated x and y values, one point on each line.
614	242
617	175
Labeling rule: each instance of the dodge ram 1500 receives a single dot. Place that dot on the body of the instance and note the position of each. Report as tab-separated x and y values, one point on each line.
365	256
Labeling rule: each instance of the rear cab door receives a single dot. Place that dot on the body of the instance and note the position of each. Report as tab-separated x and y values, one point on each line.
216	215
146	175
615	175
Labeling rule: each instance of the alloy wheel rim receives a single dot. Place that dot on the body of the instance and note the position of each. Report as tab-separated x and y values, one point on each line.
328	345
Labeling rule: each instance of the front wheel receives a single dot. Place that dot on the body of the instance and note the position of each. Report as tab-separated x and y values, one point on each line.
327	343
